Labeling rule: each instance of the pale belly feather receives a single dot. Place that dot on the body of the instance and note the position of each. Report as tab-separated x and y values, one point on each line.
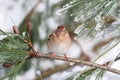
59	48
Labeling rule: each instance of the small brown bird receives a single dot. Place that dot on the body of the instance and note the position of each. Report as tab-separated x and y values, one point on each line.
59	41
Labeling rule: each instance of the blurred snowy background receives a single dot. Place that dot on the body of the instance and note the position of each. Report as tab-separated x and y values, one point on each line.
44	18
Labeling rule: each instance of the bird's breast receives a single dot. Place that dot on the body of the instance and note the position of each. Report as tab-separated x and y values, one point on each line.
59	48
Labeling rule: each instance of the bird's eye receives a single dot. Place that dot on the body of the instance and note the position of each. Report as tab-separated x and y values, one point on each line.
48	38
57	33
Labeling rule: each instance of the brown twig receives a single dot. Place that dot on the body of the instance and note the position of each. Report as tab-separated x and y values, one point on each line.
40	55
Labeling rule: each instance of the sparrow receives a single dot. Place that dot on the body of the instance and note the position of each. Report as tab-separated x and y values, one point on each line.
59	41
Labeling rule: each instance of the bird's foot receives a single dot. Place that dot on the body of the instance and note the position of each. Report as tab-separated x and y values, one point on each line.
52	55
66	57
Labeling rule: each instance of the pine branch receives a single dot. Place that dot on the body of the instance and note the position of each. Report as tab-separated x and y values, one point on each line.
69	59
